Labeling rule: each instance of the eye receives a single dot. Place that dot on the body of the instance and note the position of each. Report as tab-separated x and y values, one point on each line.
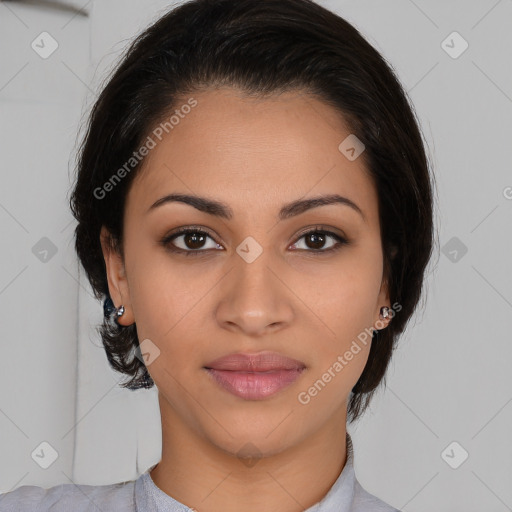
192	240
316	238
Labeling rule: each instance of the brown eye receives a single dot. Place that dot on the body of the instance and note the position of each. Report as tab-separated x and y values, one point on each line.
317	238
189	241
194	240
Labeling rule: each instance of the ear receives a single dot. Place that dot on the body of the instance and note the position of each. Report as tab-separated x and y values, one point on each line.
383	300
116	277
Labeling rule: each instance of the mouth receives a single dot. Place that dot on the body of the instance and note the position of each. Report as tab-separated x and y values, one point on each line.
260	362
254	376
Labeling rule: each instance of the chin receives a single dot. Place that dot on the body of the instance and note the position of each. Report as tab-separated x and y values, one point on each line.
262	438
250	448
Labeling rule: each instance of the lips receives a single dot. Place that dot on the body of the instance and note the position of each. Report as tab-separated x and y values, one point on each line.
254	376
261	362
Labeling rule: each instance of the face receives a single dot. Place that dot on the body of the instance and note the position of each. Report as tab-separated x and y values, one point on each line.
252	280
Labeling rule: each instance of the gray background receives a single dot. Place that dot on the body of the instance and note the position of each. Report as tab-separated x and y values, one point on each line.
450	378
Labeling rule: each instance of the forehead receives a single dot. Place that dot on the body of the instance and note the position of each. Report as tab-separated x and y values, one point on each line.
253	154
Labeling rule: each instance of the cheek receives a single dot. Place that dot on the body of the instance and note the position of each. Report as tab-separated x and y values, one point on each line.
342	341
166	299
343	300
343	295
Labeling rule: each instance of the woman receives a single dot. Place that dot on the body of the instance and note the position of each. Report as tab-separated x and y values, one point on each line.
254	197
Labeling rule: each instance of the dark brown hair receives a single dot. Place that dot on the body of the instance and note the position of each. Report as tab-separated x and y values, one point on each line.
260	47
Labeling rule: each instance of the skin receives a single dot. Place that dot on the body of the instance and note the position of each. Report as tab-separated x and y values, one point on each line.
254	155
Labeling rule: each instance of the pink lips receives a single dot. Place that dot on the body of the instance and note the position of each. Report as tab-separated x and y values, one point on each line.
255	376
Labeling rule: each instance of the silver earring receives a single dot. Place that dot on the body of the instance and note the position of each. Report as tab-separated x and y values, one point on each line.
384	312
120	311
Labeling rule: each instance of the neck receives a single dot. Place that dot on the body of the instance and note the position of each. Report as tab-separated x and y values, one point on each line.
200	473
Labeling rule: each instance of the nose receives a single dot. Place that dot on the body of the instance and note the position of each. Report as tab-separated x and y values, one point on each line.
255	298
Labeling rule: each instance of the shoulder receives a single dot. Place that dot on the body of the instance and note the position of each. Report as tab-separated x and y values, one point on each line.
65	497
366	502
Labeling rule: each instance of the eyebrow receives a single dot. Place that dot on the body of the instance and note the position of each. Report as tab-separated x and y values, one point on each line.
220	209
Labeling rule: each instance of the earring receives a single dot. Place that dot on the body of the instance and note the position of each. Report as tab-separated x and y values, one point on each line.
384	312
120	311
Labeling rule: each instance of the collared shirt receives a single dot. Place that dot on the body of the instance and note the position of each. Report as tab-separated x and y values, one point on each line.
142	495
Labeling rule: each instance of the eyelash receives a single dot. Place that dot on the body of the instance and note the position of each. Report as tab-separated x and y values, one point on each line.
166	241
